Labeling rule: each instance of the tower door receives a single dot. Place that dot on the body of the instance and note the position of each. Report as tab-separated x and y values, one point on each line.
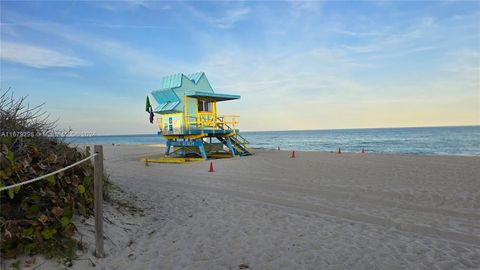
206	114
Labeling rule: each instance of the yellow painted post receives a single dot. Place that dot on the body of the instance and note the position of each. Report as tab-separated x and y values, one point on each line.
197	115
185	111
160	123
214	105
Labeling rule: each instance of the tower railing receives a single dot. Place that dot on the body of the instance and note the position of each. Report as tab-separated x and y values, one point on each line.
208	120
228	121
202	121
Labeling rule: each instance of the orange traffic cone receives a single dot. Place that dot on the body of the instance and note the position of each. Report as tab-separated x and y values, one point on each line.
339	151
211	167
363	150
293	154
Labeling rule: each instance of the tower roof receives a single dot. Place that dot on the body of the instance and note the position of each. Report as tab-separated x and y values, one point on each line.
175	80
213	96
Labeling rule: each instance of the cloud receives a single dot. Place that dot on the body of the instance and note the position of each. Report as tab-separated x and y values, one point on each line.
119	6
394	42
357	34
37	57
466	63
8	27
134	60
231	17
299	7
228	20
279	73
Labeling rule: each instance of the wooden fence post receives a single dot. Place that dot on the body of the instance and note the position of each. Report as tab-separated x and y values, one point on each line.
98	200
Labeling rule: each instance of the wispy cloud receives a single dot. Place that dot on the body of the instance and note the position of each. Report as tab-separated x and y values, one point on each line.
118	6
8	27
357	34
277	79
394	42
231	17
299	7
466	63
132	59
225	21
37	57
279	72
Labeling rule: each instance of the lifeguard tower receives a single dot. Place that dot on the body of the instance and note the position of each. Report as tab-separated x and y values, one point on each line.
186	112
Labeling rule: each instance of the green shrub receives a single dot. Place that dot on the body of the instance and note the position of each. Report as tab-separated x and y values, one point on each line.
36	217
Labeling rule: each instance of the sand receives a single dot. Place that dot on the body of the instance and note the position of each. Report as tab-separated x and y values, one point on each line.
269	211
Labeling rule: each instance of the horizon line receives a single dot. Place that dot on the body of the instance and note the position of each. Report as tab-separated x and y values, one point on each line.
289	130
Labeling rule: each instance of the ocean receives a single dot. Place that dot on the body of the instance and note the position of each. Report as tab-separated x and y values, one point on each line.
464	141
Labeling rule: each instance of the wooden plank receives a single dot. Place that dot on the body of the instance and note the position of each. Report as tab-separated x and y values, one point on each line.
98	200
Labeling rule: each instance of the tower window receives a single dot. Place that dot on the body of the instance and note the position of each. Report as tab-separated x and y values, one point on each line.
204	106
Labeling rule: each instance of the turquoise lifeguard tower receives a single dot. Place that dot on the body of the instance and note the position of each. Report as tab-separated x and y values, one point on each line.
185	107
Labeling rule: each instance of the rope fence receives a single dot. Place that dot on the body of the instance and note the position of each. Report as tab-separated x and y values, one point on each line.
98	191
47	175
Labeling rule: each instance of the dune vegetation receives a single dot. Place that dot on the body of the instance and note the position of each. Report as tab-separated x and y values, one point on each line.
36	218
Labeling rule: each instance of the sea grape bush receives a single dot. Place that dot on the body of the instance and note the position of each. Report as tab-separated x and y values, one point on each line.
36	218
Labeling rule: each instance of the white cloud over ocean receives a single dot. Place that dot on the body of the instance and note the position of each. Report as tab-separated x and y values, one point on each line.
37	57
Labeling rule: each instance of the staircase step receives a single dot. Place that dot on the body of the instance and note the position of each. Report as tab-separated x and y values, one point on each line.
239	147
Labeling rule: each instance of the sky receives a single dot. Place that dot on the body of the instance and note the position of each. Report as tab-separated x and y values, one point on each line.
297	65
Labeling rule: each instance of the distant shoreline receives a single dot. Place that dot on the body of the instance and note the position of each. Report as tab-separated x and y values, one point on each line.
433	141
287	151
295	130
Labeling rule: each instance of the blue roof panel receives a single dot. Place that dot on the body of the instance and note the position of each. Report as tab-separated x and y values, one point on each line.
167	100
195	77
175	80
171	81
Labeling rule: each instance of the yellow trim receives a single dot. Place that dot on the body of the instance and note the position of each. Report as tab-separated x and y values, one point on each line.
229	134
193	136
159	122
206	119
214	105
185	111
224	123
170	160
219	155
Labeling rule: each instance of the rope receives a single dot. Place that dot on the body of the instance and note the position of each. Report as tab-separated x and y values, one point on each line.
47	175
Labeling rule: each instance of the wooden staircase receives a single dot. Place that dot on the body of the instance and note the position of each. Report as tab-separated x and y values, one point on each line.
238	142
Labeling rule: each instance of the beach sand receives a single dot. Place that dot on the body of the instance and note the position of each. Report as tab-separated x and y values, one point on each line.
269	211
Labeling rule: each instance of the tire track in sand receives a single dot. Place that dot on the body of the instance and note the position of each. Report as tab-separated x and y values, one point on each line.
335	193
353	216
